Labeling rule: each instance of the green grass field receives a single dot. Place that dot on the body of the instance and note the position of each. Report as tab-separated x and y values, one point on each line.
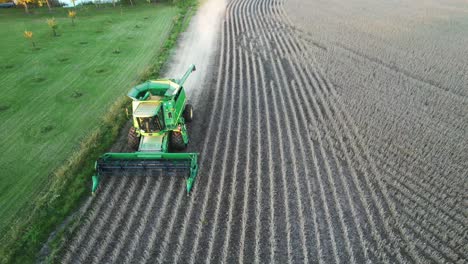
54	96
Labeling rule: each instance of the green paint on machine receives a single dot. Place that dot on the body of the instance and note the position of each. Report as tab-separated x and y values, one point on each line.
159	114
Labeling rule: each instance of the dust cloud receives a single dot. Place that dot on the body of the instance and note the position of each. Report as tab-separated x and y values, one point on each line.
198	45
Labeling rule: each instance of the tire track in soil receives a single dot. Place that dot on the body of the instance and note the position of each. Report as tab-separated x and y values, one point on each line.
284	174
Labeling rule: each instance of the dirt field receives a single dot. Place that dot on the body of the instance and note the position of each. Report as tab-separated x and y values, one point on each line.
339	136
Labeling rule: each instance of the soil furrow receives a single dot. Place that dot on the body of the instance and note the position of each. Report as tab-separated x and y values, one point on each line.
166	242
385	201
326	207
335	159
97	222
329	173
322	113
288	108
326	109
263	205
249	193
113	250
89	216
137	226
228	231
312	97
99	243
335	164
271	231
228	245
145	246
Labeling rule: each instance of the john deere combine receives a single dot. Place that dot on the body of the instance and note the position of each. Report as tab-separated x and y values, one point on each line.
159	113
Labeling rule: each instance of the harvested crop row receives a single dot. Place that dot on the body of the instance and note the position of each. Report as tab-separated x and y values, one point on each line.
285	174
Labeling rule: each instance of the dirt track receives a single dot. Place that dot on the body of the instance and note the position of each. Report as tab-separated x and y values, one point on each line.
287	173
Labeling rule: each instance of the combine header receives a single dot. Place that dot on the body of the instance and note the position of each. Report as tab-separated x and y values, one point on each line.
159	113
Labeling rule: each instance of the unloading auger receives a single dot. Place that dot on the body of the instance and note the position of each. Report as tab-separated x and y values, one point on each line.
159	113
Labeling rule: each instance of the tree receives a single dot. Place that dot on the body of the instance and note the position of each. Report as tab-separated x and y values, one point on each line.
127	2
72	15
41	3
25	4
48	5
29	35
53	25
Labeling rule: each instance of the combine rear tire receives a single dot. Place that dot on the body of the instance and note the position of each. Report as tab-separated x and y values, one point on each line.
133	139
188	113
176	141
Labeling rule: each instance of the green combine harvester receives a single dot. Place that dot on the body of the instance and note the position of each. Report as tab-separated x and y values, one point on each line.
159	113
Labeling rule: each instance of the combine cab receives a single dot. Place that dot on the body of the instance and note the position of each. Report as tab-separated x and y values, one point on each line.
159	113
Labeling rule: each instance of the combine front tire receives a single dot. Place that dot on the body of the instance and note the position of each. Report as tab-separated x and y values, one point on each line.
188	113
177	141
133	139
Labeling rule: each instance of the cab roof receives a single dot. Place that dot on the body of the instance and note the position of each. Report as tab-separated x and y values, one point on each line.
145	109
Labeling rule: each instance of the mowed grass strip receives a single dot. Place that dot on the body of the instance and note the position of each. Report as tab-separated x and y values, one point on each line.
54	96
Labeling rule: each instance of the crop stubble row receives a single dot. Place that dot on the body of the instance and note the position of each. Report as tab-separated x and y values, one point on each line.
284	173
